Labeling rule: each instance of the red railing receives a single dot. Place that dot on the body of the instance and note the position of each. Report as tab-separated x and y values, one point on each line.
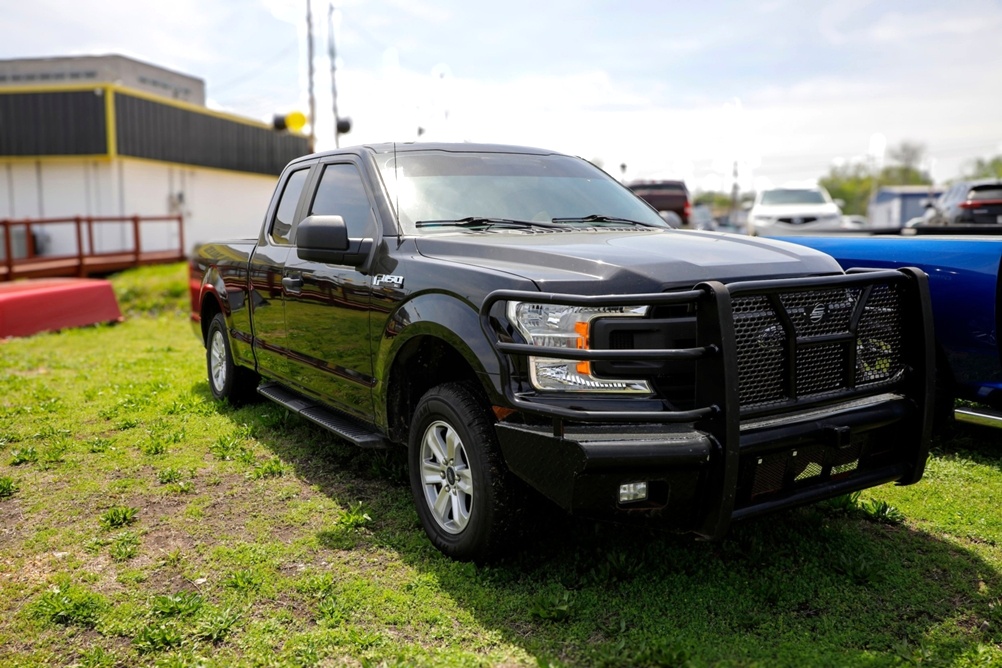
28	261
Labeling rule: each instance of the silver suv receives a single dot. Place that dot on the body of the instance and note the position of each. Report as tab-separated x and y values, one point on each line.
784	211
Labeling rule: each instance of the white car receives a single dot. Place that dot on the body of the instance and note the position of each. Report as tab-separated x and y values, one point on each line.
785	211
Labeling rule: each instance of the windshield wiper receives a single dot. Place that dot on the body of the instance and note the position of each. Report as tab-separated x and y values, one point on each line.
601	218
477	222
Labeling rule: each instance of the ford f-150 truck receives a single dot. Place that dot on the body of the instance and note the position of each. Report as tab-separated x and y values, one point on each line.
527	327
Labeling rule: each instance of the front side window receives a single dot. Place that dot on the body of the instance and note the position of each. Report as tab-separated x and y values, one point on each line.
282	225
342	193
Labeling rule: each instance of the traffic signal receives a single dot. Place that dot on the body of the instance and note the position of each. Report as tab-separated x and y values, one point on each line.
294	121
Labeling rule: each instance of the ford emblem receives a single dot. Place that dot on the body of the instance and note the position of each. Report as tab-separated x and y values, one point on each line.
818	313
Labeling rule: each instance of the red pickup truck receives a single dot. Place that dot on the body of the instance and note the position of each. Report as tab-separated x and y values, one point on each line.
665	196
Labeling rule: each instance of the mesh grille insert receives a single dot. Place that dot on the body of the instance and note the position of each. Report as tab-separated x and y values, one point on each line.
817	333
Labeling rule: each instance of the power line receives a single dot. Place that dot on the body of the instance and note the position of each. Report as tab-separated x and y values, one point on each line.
257	70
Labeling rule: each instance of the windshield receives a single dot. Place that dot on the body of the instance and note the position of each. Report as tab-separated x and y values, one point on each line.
792	196
436	186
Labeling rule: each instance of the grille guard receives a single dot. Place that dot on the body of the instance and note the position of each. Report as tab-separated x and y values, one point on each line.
718	410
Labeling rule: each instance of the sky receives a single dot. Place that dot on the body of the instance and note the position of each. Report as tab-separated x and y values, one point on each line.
647	89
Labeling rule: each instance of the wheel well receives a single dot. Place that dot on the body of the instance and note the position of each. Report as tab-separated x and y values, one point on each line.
423	363
210	307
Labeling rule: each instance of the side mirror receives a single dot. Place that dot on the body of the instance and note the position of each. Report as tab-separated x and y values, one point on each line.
840	203
325	239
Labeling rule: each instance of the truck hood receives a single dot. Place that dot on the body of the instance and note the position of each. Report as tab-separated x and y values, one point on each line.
626	260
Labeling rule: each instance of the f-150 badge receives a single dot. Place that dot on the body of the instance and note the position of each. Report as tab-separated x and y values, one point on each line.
388	279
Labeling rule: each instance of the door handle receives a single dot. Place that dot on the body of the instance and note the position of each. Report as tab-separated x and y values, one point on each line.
292	283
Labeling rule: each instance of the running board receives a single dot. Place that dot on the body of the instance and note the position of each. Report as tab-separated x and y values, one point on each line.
982	416
332	420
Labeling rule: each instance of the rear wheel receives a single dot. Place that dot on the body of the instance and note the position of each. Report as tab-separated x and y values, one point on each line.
463	491
226	380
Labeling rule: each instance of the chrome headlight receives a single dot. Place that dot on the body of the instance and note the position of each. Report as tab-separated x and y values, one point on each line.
563	326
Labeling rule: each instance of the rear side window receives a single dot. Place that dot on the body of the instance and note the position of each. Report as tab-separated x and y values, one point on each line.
282	225
981	193
342	193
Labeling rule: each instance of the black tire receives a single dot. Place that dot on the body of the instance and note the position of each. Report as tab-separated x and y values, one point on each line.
227	381
465	495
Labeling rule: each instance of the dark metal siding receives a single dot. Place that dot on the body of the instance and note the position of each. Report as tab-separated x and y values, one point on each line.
53	123
149	129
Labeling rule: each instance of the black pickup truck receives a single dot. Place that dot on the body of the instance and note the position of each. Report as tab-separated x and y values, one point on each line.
528	328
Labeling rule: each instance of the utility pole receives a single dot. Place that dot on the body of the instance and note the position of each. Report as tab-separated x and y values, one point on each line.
309	57
332	54
734	198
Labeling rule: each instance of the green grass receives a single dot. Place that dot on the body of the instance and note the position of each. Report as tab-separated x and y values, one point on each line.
142	524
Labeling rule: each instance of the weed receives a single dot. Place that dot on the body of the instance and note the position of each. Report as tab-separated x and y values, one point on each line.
272	468
552	605
230	449
844	504
355	518
53	454
98	445
157	638
856	567
172	559
330	610
169	475
153	448
117	517
184	604
95	545
881	511
243	581
8	487
69	604
184	487
26	455
318	586
97	657
216	626
124	546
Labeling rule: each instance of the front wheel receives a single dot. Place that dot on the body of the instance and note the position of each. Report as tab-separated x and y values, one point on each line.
463	491
226	380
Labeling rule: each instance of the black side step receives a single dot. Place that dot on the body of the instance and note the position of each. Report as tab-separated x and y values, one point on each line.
342	425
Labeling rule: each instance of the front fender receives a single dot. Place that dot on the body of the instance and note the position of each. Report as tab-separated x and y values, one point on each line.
448	319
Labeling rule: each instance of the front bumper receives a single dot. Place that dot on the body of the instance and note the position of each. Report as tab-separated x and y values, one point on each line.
779	463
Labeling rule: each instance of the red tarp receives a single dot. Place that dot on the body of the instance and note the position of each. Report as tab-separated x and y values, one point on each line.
29	307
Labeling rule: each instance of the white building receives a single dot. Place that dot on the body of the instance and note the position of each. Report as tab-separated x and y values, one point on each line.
109	136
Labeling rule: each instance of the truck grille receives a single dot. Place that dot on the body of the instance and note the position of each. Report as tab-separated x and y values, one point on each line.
808	344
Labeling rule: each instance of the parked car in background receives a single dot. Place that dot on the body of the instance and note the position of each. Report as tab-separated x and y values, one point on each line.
858	223
966	203
665	196
702	218
781	211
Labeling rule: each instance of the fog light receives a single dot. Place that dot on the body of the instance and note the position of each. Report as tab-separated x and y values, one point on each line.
632	491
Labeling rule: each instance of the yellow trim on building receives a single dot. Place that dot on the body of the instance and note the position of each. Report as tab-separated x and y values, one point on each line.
18	159
111	128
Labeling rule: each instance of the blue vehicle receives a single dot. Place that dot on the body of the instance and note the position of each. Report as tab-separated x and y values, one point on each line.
965	282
